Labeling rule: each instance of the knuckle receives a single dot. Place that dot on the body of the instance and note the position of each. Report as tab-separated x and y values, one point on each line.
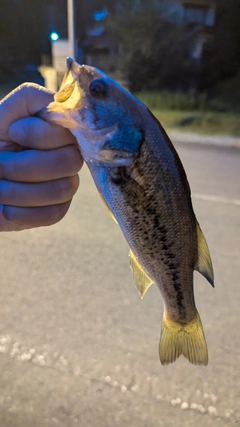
6	165
2	169
56	213
76	159
24	88
8	213
8	219
68	187
72	160
3	192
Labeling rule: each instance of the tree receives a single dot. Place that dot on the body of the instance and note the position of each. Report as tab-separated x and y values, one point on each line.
156	46
222	53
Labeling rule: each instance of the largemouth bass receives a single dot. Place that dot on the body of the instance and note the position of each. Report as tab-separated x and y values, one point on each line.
141	179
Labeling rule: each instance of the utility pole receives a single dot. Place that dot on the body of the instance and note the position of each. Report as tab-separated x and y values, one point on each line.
71	29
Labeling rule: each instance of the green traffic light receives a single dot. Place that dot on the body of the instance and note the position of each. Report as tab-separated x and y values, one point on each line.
54	36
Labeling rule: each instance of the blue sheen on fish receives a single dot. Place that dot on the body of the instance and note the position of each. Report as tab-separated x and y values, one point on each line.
143	184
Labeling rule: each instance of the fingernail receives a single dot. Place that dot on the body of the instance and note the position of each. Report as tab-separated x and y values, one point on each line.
17	133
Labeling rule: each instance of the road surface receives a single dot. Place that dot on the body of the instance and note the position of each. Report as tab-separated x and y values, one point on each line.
77	345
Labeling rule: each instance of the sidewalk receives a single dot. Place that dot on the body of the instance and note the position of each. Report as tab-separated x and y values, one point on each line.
187	137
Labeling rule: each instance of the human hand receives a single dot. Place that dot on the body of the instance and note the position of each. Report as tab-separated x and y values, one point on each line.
39	162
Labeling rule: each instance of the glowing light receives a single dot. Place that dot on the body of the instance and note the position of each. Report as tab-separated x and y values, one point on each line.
54	36
99	15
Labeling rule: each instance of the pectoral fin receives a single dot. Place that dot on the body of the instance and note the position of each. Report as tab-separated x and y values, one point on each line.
204	262
142	280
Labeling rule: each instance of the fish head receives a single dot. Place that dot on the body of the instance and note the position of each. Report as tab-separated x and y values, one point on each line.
99	113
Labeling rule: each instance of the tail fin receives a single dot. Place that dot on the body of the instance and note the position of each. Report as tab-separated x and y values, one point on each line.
188	340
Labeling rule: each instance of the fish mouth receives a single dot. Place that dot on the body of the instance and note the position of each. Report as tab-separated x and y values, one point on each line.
67	100
65	111
69	81
72	66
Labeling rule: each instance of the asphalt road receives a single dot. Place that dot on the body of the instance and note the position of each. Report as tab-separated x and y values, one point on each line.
77	345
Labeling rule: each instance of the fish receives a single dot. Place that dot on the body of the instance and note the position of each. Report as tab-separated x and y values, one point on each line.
143	184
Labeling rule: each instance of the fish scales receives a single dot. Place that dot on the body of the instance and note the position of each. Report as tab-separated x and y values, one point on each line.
141	180
150	227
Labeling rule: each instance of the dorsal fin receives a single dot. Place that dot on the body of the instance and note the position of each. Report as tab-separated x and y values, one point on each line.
142	280
203	263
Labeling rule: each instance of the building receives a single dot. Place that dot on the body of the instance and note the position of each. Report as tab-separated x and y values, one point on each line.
199	12
198	15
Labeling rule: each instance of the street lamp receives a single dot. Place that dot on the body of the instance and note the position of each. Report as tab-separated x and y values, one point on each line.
71	29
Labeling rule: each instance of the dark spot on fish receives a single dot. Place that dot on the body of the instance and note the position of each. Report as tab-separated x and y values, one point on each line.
150	210
179	296
170	255
170	265
165	247
175	276
134	193
116	178
119	175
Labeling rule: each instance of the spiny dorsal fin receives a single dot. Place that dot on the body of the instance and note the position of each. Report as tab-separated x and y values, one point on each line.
203	263
142	280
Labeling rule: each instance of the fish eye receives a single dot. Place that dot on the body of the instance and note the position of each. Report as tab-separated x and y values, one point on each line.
99	88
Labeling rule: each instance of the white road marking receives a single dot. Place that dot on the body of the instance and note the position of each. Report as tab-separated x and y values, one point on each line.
217	199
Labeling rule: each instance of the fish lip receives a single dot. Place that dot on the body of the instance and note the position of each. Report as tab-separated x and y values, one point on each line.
71	73
72	65
70	62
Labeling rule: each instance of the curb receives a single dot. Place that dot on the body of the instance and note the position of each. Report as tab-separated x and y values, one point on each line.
194	138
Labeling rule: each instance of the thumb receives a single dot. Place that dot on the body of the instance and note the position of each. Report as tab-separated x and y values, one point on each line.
22	102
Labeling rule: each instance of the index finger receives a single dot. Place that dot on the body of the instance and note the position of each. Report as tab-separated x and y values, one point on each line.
35	133
22	102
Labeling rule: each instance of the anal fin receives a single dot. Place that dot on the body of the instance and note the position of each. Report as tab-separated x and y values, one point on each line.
142	280
203	263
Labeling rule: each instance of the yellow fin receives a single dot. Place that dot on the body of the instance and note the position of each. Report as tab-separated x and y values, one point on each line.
109	211
142	280
204	262
188	340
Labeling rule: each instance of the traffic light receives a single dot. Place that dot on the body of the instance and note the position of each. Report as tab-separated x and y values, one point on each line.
54	36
